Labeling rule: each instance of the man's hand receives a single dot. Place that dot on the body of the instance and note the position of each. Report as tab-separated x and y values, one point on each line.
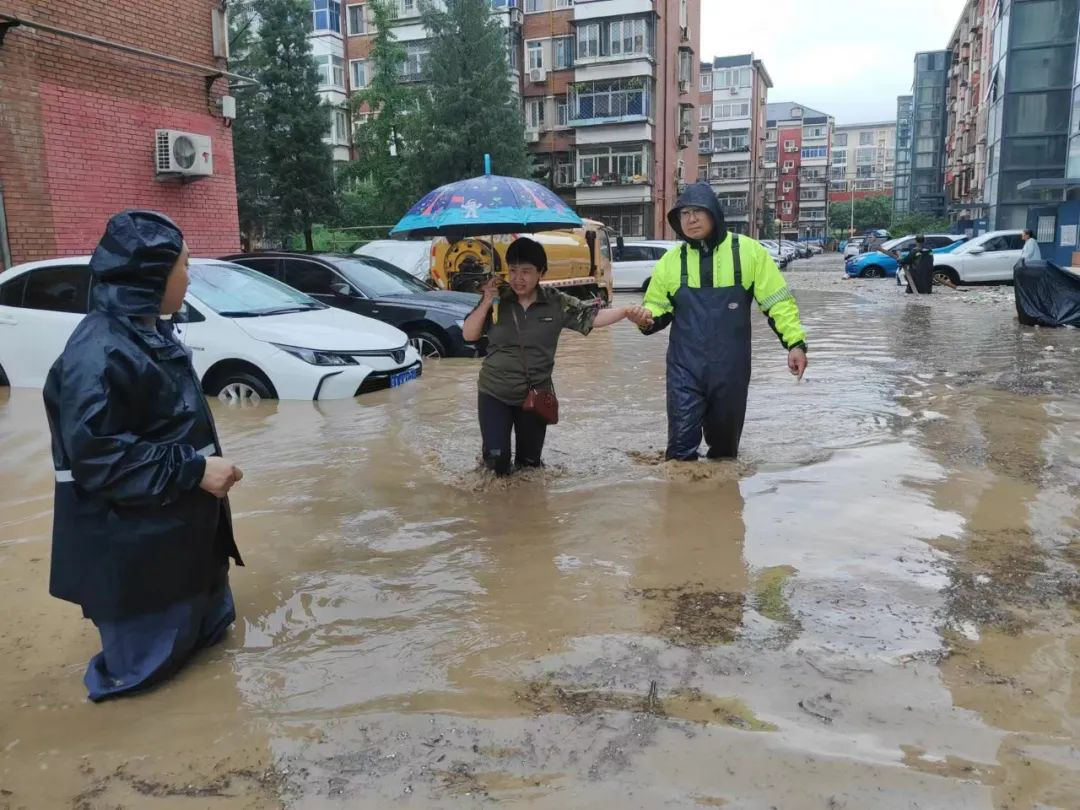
220	476
640	316
796	362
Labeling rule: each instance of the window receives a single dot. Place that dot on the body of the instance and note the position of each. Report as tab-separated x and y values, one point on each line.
588	42
535	54
616	98
636	253
326	15
789	146
732	140
564	52
737	109
789	165
357	20
562	112
310	277
866	139
416	54
814	152
340	134
927	161
564	174
706	113
564	3
770	154
331	70
815	132
619	163
58	289
358	73
627	220
839	156
534	113
706	81
532	6
731	77
407	8
11	294
789	206
789	185
1036	23
840	139
1004	242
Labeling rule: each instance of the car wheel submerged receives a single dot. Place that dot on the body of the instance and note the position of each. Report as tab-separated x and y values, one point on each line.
427	345
242	388
873	271
943	274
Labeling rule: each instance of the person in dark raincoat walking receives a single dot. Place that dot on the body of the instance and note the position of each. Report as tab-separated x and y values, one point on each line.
918	266
704	288
142	533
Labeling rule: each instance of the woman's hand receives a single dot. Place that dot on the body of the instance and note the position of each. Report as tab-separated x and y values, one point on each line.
640	316
490	290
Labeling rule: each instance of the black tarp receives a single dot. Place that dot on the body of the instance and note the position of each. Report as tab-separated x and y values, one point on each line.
1046	295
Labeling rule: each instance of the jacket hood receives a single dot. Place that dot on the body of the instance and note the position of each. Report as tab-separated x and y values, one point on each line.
699	195
132	262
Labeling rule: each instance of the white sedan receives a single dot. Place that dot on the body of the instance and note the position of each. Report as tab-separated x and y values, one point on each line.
251	337
990	257
633	263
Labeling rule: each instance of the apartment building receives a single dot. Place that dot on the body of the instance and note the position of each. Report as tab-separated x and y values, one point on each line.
1031	87
863	161
902	173
732	98
929	116
798	143
609	88
968	113
92	127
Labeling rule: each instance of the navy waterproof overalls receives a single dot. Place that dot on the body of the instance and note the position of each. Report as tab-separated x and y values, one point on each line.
708	362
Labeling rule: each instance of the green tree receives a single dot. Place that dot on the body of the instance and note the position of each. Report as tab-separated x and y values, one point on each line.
870	212
468	108
379	185
294	121
916	223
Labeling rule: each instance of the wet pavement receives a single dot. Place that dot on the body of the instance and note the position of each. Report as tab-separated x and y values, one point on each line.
875	607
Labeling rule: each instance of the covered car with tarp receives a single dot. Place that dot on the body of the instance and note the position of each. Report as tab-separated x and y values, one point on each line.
1046	295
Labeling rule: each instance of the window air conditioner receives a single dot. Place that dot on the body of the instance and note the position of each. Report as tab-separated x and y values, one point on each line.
532	136
182	154
537	75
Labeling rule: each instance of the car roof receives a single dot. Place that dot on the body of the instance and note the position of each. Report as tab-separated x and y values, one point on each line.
63	261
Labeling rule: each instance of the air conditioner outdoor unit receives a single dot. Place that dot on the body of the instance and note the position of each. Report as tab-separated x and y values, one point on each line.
733	90
537	75
532	136
182	154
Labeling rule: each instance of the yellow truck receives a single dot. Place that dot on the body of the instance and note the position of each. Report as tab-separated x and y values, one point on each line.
579	261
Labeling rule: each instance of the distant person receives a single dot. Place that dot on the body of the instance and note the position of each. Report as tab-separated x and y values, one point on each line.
142	533
1031	251
918	266
522	322
704	288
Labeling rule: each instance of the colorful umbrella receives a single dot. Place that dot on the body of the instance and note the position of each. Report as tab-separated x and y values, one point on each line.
483	206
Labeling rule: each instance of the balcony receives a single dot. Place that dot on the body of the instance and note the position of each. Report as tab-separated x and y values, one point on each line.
601	181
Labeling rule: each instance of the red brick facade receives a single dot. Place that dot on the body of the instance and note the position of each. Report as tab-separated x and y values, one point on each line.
77	124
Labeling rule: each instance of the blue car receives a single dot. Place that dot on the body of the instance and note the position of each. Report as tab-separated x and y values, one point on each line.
881	263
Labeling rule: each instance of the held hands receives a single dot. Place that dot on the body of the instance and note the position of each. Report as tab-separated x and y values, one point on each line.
796	362
220	476
639	316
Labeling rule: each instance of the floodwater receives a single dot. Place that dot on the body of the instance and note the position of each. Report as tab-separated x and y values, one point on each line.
876	607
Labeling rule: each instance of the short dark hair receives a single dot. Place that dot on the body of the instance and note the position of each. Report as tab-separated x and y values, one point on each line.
920	239
527	251
1029	232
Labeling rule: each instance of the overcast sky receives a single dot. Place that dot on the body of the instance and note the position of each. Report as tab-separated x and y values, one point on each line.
848	58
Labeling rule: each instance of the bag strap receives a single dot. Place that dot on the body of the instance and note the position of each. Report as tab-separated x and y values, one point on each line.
735	259
521	345
685	275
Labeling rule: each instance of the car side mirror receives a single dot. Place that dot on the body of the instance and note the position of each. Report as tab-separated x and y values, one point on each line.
340	288
977	250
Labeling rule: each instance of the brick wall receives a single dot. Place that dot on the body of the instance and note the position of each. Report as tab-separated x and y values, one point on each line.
77	125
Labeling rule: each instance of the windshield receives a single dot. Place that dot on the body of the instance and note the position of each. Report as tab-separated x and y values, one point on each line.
892	244
237	292
378	279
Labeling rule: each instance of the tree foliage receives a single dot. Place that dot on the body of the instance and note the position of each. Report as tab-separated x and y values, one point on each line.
870	213
285	173
469	108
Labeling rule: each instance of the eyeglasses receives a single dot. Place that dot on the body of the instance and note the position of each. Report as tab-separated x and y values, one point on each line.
691	213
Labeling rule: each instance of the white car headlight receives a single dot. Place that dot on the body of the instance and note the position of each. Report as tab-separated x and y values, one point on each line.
317	358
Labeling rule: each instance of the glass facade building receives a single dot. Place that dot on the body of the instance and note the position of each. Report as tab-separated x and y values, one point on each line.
1032	90
902	167
928	119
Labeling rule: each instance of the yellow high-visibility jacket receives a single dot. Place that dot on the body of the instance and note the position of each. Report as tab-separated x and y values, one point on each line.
759	273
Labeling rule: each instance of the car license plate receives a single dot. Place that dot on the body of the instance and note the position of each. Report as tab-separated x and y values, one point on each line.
403	377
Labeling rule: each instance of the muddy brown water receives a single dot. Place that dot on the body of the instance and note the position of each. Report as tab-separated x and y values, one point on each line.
876	607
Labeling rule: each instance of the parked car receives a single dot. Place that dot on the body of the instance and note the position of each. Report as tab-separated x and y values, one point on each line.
251	337
815	250
432	318
881	263
802	251
853	246
633	263
412	257
990	257
786	254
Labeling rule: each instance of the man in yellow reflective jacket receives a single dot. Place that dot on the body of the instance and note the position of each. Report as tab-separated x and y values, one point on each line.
703	288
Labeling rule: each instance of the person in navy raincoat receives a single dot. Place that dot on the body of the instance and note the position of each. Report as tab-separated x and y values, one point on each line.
704	288
142	533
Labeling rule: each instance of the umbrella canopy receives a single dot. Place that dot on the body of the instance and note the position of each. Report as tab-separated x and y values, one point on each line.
483	206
